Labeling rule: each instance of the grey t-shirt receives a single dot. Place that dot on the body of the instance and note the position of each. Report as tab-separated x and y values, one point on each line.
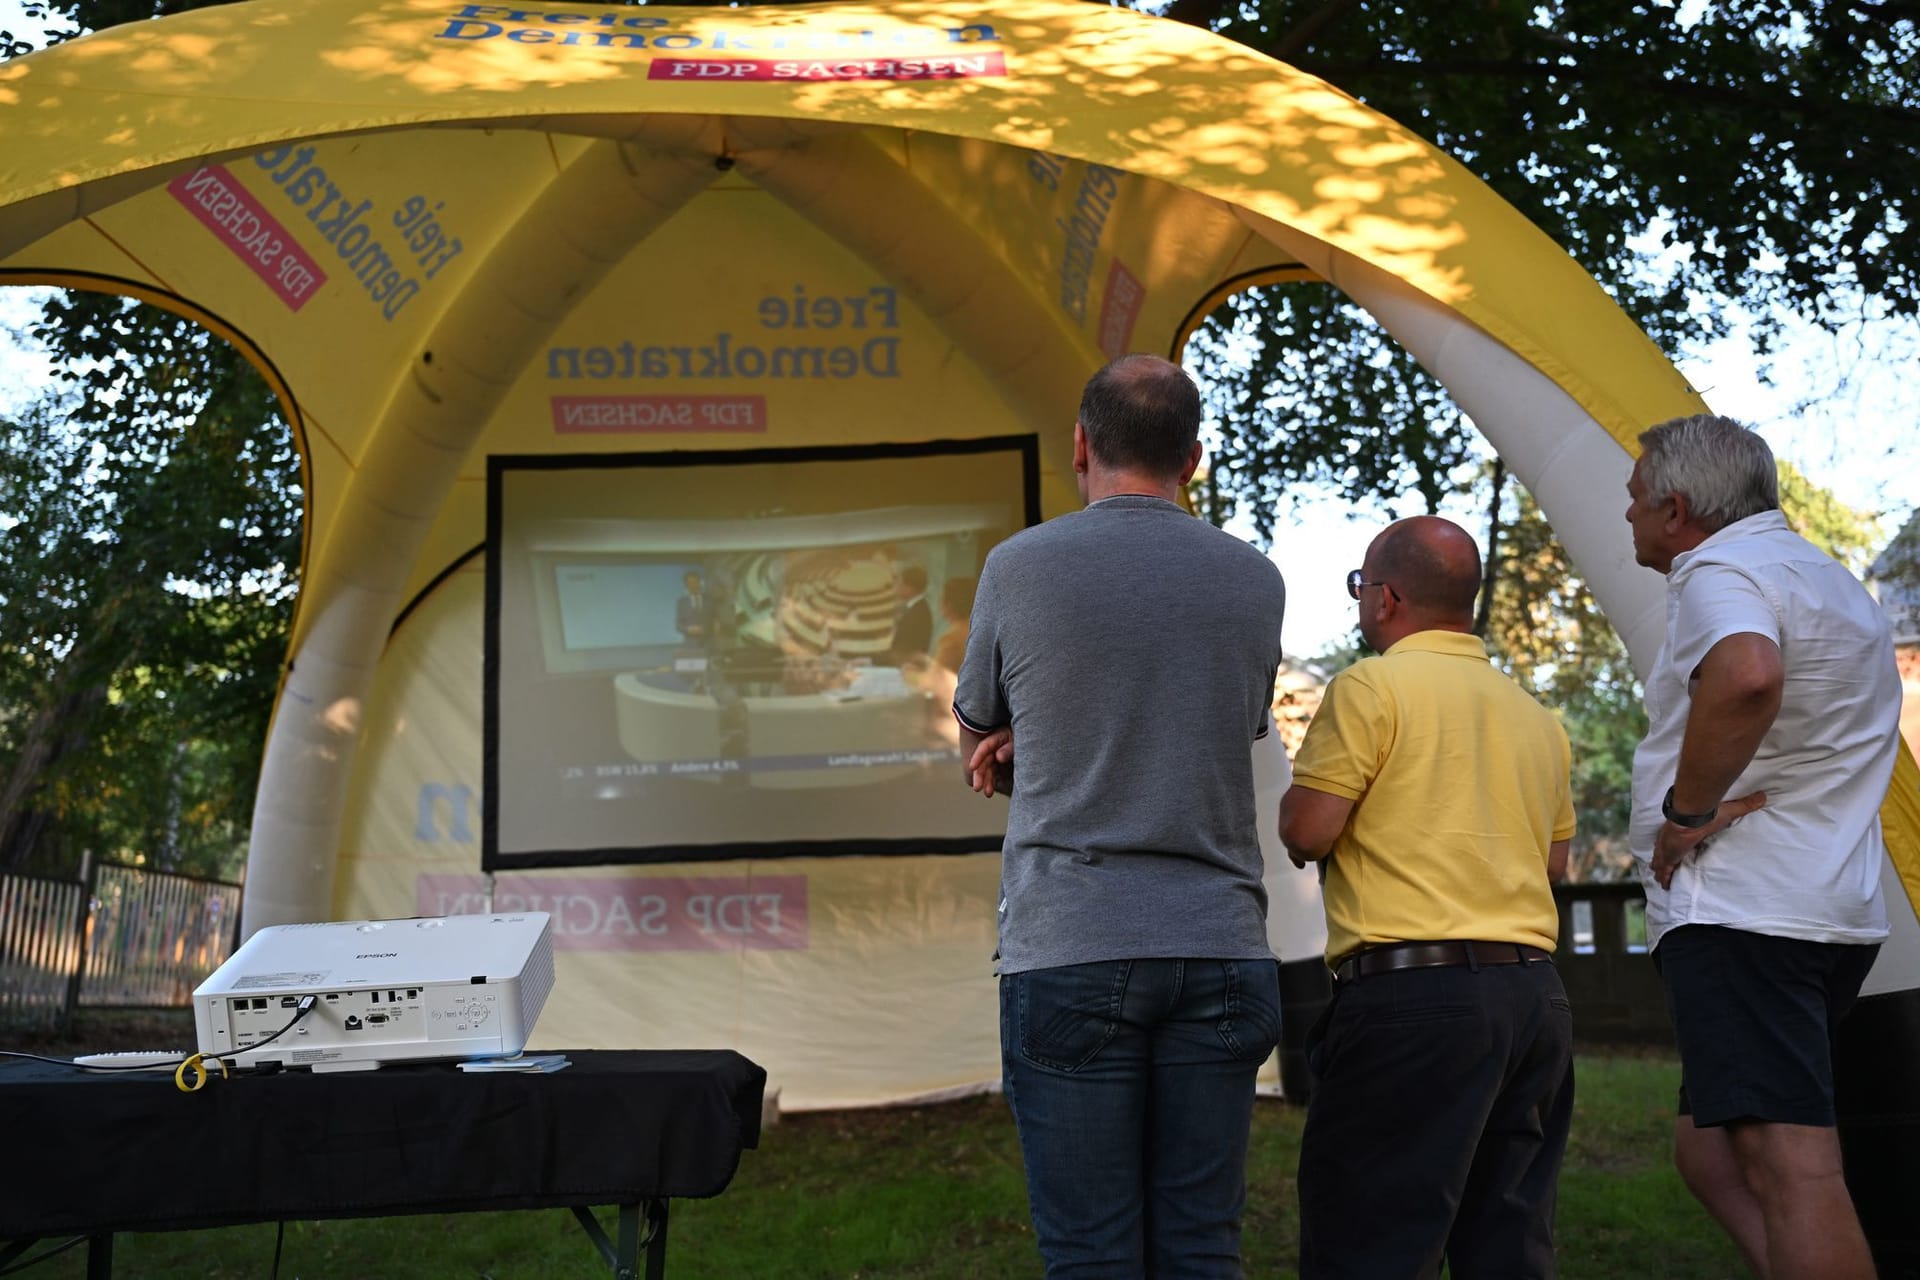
1132	648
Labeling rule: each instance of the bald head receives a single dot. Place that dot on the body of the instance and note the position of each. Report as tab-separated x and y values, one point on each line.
1432	564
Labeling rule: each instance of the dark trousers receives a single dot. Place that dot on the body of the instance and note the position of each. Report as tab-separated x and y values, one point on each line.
1438	1121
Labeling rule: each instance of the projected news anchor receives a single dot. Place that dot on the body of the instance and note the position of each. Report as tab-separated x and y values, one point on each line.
913	622
690	611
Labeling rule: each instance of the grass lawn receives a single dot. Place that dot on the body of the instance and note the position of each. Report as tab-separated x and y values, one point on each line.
935	1192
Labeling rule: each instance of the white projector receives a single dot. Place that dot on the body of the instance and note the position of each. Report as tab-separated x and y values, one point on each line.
383	991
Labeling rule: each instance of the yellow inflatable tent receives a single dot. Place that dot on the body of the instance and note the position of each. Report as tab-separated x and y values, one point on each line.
643	360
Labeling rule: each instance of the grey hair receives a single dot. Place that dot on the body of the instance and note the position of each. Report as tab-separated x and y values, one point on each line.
1725	470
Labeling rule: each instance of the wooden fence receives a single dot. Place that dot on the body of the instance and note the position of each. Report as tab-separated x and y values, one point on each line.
122	937
1610	978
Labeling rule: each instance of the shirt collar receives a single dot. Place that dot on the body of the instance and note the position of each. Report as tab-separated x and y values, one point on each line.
1136	502
1765	522
1452	644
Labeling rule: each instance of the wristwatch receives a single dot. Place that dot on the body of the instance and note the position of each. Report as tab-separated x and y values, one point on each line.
1688	820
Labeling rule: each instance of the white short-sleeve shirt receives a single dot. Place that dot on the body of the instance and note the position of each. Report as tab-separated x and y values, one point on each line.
1808	864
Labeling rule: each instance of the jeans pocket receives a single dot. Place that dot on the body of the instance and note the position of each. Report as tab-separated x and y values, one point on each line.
1068	1014
1251	1026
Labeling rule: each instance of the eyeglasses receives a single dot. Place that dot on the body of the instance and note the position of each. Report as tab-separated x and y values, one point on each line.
1357	580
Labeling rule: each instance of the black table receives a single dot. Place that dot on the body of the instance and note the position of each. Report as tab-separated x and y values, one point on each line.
92	1153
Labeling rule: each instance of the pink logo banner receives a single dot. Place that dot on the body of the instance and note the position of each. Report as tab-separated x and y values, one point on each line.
227	209
628	414
1125	296
945	67
652	913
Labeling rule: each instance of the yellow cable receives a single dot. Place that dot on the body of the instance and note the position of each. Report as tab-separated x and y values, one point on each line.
196	1064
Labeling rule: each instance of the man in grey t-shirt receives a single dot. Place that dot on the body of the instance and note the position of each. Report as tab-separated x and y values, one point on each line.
1129	650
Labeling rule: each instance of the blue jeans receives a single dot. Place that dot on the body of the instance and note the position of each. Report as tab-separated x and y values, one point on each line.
1131	1083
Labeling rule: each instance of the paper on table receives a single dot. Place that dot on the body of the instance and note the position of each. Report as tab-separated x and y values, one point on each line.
537	1063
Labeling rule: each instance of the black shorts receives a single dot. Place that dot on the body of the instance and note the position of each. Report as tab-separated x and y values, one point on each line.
1754	1016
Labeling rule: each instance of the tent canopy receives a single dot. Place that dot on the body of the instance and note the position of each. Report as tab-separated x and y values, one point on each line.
461	236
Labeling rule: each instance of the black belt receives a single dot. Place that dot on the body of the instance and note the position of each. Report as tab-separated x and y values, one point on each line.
1434	955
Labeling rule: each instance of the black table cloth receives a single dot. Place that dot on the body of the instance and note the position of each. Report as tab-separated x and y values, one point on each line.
91	1152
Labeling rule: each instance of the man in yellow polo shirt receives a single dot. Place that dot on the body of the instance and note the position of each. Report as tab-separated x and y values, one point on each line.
1437	791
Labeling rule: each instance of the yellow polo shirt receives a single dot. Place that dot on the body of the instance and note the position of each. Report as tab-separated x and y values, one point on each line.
1461	783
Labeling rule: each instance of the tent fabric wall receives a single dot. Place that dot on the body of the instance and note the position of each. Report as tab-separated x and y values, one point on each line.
435	224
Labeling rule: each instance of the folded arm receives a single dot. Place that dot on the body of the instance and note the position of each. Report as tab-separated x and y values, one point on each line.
1310	821
987	759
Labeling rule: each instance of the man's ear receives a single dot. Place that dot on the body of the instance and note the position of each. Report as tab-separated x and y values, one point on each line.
1193	462
1079	449
1388	606
1682	512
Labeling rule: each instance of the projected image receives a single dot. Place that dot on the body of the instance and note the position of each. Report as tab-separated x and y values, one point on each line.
678	681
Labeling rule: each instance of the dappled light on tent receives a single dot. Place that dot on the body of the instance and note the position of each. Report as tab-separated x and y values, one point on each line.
343	717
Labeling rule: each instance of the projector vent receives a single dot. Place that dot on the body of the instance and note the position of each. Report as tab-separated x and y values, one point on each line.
536	980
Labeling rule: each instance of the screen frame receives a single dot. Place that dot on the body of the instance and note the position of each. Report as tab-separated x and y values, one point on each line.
499	466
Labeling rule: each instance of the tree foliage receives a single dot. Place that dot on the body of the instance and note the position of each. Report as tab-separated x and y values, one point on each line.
1848	535
1768	151
152	512
1311	394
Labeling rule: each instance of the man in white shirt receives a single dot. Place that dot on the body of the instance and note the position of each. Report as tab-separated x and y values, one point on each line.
1775	704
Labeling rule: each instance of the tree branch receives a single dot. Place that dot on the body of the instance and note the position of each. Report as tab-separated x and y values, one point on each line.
1756	103
1197	13
1489	565
1295	41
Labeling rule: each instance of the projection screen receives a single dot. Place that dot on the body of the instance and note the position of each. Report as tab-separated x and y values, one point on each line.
705	655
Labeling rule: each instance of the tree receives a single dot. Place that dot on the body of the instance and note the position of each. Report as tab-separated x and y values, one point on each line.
152	514
1771	148
1309	392
1848	535
1546	630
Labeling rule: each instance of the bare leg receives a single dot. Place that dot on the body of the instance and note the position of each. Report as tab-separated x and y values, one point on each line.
1812	1230
1712	1172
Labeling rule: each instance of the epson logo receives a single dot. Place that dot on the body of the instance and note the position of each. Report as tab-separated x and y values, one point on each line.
378	955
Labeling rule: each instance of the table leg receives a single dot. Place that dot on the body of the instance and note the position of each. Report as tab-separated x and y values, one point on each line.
100	1256
628	1267
656	1239
623	1255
